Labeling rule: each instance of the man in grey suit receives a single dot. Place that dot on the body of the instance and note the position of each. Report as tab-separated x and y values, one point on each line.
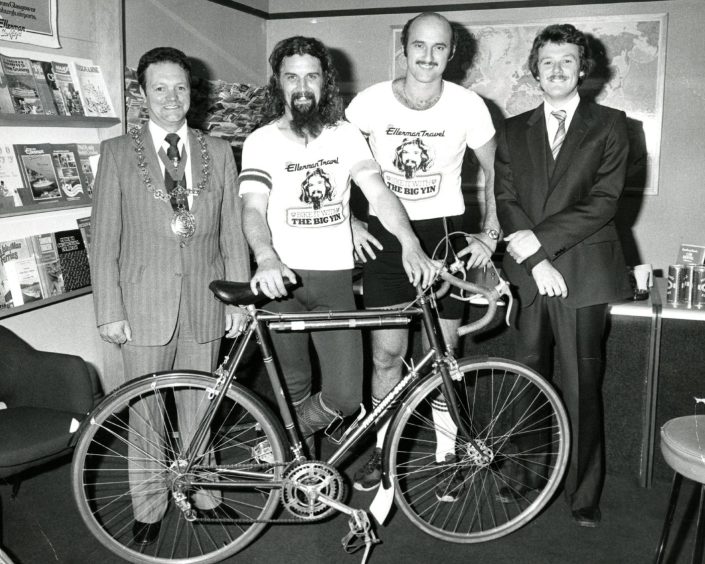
559	173
166	222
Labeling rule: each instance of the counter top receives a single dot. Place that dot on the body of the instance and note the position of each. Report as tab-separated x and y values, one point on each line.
644	308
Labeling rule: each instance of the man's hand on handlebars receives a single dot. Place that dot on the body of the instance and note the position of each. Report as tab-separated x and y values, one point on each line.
270	278
420	269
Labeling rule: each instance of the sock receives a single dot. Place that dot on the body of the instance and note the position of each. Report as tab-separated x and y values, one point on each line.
446	429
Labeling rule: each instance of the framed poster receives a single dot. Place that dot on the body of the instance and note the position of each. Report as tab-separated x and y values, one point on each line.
29	21
630	54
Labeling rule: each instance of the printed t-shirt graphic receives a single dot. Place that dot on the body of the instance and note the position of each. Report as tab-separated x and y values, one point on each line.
421	151
309	192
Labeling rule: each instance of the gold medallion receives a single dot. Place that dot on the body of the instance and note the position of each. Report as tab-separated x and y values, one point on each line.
183	224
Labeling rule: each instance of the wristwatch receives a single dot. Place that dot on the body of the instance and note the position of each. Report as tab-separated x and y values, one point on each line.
491	233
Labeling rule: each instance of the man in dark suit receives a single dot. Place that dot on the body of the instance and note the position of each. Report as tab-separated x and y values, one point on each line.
166	222
559	173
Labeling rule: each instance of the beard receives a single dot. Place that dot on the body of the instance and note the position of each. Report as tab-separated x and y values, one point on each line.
305	115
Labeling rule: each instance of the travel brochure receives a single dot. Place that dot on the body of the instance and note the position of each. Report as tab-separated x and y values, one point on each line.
74	88
42	176
43	266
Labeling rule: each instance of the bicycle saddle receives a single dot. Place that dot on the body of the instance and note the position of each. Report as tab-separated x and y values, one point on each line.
240	293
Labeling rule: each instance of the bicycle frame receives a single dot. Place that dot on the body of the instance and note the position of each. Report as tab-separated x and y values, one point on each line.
437	357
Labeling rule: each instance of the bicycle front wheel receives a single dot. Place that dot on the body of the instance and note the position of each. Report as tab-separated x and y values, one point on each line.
129	467
468	491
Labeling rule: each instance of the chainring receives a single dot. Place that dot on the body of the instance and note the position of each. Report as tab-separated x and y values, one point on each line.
303	482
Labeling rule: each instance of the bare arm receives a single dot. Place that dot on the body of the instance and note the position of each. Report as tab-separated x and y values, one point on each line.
392	215
270	269
482	247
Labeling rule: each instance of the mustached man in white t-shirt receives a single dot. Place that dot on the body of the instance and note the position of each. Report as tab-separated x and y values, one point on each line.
295	186
419	127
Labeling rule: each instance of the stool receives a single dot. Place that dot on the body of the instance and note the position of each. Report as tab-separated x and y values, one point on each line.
683	448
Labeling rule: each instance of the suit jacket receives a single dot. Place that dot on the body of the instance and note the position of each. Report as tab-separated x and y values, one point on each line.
572	211
141	271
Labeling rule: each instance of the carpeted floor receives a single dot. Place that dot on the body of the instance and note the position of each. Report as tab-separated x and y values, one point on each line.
42	526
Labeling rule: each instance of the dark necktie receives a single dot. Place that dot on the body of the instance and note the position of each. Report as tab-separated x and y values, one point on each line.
172	153
560	115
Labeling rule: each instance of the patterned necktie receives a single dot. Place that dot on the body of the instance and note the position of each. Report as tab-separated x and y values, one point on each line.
560	115
172	152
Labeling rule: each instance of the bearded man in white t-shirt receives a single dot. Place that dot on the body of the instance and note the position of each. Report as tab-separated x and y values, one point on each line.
295	186
418	127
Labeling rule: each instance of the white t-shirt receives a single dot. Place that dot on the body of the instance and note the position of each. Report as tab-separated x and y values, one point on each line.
421	151
308	210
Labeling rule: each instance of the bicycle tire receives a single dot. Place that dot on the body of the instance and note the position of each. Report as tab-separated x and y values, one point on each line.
112	470
466	499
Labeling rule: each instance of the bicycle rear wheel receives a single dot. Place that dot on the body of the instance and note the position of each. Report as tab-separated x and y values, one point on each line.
466	495
129	462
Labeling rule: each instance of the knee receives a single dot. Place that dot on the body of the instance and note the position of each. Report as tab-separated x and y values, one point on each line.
386	359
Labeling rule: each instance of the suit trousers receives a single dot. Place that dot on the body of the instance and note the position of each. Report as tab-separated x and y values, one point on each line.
147	446
578	337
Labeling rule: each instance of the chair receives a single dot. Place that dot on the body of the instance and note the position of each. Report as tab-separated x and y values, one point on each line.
43	393
683	448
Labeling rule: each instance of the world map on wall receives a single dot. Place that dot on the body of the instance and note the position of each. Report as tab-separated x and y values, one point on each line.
629	75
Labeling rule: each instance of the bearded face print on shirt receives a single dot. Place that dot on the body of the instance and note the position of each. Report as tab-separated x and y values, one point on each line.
408	176
318	193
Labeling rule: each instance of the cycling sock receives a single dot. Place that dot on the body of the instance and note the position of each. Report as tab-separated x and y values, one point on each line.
446	429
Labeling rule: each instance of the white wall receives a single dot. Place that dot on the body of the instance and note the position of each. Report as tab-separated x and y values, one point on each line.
226	44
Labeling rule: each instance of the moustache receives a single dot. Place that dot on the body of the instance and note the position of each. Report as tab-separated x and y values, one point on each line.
300	96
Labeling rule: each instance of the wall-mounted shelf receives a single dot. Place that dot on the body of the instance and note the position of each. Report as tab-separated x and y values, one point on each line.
28	120
44	302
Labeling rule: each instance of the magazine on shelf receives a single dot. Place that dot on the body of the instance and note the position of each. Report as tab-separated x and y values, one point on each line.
88	154
92	90
69	91
45	93
21	84
48	71
37	168
10	179
84	226
6	106
5	293
21	271
67	165
73	258
46	255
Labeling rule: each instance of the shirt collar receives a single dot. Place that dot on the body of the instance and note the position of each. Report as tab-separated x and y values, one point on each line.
569	108
158	134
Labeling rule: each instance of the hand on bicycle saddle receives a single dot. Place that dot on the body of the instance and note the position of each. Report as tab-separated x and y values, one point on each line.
270	278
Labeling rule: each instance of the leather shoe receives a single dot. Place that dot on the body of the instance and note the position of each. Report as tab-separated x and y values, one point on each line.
145	533
587	516
222	512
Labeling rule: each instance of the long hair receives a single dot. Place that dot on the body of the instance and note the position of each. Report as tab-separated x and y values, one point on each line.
161	55
330	105
562	33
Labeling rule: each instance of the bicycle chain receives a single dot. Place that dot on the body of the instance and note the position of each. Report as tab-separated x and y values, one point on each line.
253	521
